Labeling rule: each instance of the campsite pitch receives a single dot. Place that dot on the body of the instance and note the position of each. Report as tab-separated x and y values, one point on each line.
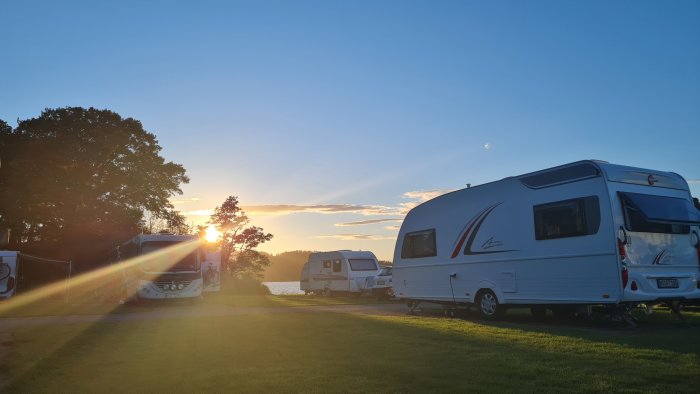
346	348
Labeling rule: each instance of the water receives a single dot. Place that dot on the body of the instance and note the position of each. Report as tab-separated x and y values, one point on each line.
280	288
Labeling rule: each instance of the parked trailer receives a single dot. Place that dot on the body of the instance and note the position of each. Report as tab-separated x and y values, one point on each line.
8	273
339	271
581	234
21	272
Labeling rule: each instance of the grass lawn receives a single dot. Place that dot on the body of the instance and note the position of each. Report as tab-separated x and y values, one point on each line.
57	307
321	352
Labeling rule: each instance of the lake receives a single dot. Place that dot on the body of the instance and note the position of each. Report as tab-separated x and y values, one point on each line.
280	288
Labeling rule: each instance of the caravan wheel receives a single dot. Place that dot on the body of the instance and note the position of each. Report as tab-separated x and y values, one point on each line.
488	305
327	292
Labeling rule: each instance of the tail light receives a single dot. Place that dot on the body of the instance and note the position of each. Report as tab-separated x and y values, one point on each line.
621	241
10	283
621	250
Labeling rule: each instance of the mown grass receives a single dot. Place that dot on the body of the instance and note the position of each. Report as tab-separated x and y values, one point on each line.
335	352
290	300
58	307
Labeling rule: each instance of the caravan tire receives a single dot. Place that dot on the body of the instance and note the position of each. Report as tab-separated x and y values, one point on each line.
327	292
488	305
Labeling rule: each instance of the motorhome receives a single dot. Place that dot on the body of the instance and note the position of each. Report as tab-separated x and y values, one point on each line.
342	271
581	234
163	266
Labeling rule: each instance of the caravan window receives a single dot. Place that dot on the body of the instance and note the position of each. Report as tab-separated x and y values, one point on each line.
326	264
337	267
362	265
419	244
657	214
568	218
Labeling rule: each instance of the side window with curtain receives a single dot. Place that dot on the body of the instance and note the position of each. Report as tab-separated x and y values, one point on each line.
567	218
419	244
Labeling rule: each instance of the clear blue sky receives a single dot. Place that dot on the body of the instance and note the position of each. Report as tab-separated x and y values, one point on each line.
320	104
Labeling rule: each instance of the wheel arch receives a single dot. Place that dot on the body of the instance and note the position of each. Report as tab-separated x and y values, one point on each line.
488	285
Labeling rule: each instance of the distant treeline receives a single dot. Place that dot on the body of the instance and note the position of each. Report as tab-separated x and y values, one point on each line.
286	267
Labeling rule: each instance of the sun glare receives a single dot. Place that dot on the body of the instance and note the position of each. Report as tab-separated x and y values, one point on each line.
212	234
86	285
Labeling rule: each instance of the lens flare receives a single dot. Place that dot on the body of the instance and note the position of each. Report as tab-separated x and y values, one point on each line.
90	284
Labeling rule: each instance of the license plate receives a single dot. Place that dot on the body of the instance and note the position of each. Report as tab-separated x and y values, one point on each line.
667	283
380	282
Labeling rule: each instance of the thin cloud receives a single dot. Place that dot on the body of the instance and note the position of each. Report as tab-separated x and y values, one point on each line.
179	201
393	228
364	222
357	237
420	196
200	212
694	181
417	197
331	208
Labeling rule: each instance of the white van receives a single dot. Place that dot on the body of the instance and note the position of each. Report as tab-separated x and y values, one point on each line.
585	233
339	271
8	273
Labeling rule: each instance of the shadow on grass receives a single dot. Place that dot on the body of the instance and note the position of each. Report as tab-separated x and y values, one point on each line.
334	352
661	330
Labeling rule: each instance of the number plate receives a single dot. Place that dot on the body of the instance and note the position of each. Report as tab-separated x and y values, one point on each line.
667	283
380	282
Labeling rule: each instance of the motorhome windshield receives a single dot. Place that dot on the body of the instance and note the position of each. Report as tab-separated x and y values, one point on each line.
163	262
362	265
658	214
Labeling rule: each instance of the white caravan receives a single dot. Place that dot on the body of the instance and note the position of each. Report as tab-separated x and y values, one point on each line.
581	234
339	271
8	273
20	272
211	271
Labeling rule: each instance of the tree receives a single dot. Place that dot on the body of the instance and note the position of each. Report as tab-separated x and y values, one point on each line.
77	181
169	221
238	242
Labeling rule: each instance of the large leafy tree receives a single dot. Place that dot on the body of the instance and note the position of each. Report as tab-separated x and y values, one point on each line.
74	181
238	241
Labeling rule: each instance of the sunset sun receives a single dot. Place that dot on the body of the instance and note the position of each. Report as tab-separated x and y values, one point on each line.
212	234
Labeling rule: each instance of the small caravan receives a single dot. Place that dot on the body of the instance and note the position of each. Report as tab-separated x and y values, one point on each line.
8	273
338	271
581	234
21	272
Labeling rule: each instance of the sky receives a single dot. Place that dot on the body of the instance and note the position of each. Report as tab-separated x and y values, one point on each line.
329	119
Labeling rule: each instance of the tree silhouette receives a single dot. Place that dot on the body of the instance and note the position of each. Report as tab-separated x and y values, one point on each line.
75	181
238	242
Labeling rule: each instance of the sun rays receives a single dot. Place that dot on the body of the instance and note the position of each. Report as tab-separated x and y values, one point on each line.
107	282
